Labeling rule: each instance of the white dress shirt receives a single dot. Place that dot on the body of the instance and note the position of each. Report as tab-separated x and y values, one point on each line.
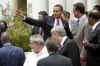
83	19
95	25
63	40
60	23
33	57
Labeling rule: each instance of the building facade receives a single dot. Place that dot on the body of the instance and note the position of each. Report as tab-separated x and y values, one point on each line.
34	6
8	7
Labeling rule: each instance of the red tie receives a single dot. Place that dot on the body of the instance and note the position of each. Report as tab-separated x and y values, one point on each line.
57	23
41	32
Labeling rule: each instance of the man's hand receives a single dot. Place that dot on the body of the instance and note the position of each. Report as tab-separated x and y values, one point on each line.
20	14
62	15
85	43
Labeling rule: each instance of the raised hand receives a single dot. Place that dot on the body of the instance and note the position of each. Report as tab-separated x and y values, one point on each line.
62	15
20	14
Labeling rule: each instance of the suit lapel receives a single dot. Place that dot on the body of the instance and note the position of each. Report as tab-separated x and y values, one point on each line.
92	33
64	46
50	21
53	20
65	42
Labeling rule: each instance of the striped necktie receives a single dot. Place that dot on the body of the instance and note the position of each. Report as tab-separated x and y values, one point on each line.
57	23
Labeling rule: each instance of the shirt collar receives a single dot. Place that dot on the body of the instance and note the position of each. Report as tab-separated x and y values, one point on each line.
95	25
6	44
81	18
63	40
44	50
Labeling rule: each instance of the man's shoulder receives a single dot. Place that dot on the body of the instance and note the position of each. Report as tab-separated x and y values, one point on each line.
49	17
57	56
54	59
71	43
18	49
42	61
11	49
14	48
98	27
64	58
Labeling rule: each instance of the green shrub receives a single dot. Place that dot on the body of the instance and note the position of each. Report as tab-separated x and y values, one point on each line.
20	33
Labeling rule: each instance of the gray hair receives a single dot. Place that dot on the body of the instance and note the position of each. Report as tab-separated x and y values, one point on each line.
5	37
61	31
37	38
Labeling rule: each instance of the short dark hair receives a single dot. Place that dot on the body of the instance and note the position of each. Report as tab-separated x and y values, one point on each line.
52	44
66	13
44	13
80	7
60	6
94	14
5	24
97	7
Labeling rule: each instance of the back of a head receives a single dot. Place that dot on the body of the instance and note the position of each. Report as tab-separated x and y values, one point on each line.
97	7
5	37
44	13
37	38
93	17
80	7
66	13
59	30
95	14
3	26
52	44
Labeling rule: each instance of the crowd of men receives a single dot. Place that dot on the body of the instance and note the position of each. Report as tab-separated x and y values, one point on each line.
57	40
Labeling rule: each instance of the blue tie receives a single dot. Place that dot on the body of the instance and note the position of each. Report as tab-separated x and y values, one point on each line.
78	21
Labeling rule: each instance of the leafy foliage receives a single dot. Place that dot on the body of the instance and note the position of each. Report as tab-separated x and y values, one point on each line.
20	33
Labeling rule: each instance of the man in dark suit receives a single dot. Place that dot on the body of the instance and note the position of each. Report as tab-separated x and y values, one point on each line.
67	47
54	59
36	29
49	22
92	45
10	55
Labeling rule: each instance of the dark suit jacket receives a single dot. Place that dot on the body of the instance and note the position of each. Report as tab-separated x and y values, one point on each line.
93	49
47	24
11	56
55	60
70	49
35	30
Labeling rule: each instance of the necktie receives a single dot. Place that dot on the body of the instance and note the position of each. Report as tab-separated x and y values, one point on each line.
57	23
41	32
78	21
